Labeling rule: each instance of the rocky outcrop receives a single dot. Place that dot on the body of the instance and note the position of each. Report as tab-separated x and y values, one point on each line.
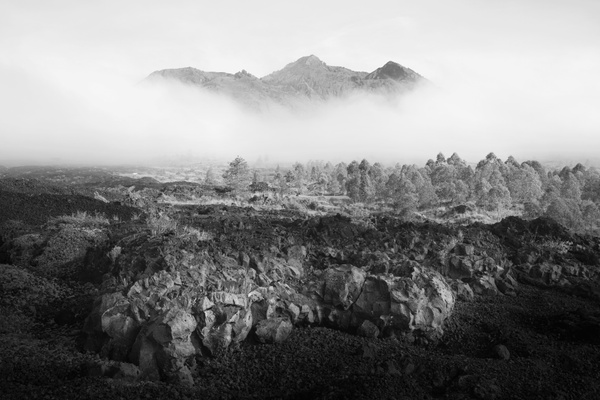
173	299
197	304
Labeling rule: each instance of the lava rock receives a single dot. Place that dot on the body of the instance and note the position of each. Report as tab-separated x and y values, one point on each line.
368	329
342	285
274	330
501	352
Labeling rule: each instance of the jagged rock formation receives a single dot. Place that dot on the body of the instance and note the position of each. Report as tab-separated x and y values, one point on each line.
308	78
173	300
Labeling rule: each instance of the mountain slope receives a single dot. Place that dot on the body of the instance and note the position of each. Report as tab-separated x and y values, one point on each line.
305	79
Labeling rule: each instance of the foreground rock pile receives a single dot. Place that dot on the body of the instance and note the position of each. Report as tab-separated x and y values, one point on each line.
170	299
198	305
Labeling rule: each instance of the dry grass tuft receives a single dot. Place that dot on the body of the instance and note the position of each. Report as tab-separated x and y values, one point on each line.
81	219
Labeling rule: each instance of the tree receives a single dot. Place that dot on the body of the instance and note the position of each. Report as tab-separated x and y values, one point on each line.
333	186
461	192
299	182
340	174
322	183
353	181
591	188
482	189
499	194
378	177
570	187
237	176
456	161
524	184
422	183
566	212
591	214
540	171
366	189
443	178
511	161
210	178
440	159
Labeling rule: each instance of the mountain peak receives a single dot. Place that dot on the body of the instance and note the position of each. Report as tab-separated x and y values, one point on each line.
393	70
306	78
310	60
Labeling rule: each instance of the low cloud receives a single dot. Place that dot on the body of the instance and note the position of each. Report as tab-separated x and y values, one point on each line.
50	121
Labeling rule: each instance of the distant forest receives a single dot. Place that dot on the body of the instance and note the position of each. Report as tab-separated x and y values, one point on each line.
570	196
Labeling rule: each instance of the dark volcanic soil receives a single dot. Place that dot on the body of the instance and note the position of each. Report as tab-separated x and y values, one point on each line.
554	354
33	202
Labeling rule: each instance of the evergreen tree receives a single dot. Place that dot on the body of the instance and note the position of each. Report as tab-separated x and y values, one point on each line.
237	176
322	183
570	188
456	161
353	181
340	174
443	178
378	178
366	189
591	215
591	187
333	186
440	159
210	178
566	212
524	184
299	181
461	192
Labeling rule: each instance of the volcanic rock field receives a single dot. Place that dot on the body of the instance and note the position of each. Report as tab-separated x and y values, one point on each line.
109	291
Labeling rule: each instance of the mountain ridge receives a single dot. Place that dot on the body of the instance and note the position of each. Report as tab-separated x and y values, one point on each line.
306	79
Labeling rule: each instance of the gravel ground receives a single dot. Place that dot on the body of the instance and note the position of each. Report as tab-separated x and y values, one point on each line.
553	346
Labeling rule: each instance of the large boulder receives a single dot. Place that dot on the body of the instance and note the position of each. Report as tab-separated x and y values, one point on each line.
459	268
274	330
164	345
422	301
484	285
224	318
111	328
342	285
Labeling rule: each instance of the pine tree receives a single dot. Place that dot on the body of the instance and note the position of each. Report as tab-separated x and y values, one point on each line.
570	188
299	182
566	212
210	178
237	176
353	181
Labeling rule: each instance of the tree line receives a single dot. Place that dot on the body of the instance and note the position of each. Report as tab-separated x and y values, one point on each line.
570	195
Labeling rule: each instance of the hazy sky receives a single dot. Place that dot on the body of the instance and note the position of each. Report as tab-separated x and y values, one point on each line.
518	77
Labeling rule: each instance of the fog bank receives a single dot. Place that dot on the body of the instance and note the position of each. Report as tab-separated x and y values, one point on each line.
110	120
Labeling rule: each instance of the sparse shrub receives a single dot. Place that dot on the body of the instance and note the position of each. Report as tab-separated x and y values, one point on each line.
161	224
552	246
114	253
80	219
198	235
293	204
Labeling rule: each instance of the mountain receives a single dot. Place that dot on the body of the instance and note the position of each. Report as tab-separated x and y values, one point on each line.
305	79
